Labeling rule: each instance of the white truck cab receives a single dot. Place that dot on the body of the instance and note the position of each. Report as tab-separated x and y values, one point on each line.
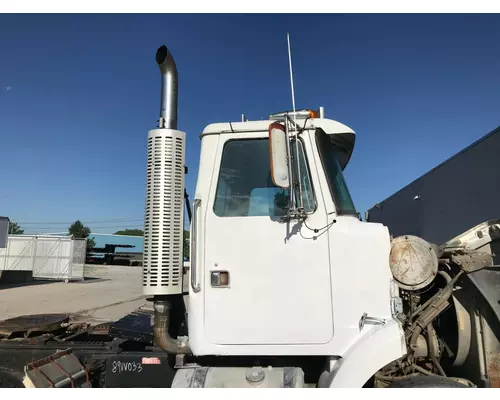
288	287
282	269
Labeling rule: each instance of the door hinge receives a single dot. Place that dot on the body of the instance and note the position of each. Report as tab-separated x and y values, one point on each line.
396	301
396	306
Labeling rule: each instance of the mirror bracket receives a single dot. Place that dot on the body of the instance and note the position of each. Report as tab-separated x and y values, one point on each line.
281	161
292	214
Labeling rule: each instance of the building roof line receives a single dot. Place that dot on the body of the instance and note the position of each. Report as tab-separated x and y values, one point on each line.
456	155
112	234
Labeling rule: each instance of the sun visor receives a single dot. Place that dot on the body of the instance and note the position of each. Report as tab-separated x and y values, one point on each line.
344	143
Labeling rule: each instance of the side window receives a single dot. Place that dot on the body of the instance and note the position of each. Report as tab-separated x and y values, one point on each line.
224	192
245	187
308	200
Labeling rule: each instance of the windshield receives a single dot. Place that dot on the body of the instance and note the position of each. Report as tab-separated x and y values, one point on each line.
336	182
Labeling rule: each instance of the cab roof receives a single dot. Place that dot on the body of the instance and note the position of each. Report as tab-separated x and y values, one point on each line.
342	136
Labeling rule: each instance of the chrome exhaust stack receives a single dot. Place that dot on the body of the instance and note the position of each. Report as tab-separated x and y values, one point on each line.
164	209
169	86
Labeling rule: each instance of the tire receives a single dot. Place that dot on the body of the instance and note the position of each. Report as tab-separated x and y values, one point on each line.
10	380
427	382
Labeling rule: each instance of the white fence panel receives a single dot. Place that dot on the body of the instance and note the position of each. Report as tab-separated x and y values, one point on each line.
18	256
48	257
78	259
52	258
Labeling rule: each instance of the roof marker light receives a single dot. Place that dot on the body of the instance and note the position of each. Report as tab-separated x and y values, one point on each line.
299	114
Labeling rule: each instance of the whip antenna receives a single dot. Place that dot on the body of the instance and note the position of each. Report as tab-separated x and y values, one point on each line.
294	122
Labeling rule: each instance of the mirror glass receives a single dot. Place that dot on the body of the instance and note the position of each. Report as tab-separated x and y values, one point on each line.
279	155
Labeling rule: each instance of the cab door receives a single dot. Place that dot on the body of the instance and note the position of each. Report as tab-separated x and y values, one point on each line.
265	281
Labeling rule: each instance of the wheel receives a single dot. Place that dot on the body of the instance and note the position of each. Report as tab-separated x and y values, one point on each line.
427	382
10	380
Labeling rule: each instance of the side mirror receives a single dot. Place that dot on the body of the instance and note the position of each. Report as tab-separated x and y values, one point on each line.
4	232
278	151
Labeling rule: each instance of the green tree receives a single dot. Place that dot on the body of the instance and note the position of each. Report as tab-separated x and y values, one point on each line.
80	231
90	243
130	232
15	229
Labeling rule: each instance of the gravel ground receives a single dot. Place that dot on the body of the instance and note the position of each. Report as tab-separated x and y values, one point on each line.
107	294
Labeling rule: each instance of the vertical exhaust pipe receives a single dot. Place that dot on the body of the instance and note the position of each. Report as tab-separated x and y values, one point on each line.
164	209
160	330
169	85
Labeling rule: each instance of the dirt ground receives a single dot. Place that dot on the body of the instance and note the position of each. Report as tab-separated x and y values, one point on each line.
107	294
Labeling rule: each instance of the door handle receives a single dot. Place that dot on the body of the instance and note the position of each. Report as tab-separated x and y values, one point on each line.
373	320
194	246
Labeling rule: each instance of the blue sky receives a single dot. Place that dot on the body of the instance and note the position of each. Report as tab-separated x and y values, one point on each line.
80	92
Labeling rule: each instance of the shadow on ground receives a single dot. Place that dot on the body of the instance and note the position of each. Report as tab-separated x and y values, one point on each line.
10	283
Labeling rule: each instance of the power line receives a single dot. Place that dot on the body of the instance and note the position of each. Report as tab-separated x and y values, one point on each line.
85	222
50	228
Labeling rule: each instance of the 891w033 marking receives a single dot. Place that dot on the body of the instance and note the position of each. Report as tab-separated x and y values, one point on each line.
119	367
